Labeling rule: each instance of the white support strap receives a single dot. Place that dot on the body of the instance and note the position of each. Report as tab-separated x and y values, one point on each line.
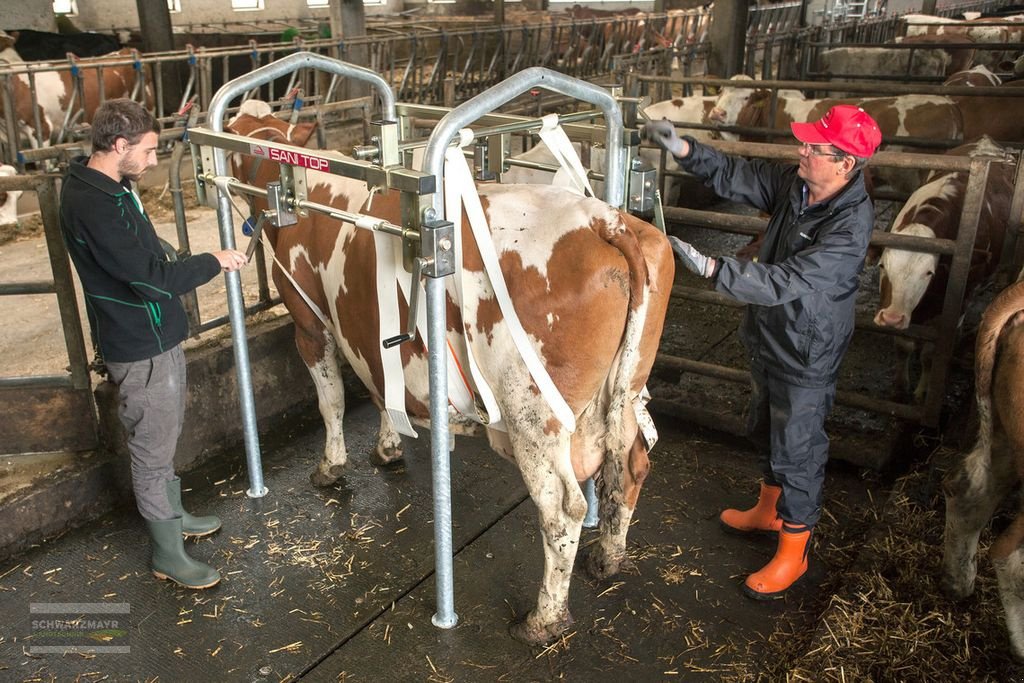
460	189
561	147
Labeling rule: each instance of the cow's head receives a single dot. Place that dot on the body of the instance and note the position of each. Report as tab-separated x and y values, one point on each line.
732	102
903	278
263	125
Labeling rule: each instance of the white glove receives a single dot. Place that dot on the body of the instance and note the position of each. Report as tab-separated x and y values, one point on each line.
663	134
694	261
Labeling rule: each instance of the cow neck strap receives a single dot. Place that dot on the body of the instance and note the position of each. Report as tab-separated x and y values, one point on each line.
223	183
459	188
561	147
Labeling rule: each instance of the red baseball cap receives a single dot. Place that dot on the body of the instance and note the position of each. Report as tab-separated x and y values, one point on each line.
845	127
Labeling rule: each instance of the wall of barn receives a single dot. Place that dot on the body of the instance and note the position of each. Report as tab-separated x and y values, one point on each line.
33	14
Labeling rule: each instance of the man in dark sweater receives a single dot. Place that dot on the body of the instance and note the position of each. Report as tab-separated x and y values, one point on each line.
138	321
800	293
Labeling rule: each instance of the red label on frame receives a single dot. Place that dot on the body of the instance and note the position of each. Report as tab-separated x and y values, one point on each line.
290	158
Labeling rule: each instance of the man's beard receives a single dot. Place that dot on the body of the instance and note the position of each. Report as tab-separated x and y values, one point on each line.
131	171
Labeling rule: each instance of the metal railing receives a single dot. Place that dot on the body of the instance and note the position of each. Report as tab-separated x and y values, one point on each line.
49	412
414	64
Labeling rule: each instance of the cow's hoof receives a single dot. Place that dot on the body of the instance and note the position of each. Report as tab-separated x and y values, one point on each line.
957	590
382	457
527	632
600	566
319	478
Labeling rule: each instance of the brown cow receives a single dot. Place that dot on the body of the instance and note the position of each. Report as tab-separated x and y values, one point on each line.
919	116
997	117
53	90
913	284
590	284
993	468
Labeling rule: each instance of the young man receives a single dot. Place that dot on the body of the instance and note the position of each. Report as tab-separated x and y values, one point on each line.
800	293
138	321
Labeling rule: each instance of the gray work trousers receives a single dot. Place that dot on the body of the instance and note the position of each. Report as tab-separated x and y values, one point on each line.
786	422
152	410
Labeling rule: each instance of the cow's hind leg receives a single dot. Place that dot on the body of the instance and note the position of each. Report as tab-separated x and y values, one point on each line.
1008	559
544	462
389	443
618	487
972	493
320	353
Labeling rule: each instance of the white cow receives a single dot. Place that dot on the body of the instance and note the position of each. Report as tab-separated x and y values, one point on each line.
9	199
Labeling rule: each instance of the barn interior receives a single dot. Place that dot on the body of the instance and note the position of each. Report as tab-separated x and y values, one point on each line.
339	582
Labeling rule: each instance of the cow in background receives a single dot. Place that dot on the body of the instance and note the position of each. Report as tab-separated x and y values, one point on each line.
913	284
919	116
975	486
884	61
36	46
577	271
980	31
52	95
997	117
8	199
960	58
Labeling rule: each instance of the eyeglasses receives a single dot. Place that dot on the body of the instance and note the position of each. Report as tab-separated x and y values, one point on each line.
813	151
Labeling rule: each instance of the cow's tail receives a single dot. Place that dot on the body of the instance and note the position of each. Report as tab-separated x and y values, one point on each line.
628	243
1003	308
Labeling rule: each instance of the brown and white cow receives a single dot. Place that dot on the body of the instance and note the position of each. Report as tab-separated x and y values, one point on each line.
976	485
997	117
913	284
54	89
8	198
591	286
918	116
980	30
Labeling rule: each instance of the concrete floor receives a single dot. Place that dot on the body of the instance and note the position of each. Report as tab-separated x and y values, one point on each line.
338	584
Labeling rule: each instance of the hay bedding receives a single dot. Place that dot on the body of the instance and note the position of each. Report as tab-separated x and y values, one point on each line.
886	617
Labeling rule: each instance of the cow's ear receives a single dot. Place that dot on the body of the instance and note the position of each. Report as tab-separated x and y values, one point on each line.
302	132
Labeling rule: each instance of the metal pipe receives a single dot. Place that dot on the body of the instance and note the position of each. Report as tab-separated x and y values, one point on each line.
846	398
440	138
471	110
236	305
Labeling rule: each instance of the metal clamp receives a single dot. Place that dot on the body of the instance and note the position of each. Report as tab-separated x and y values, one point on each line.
437	260
282	214
643	182
418	266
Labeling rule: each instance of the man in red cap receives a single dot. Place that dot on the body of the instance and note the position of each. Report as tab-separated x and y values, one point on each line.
800	293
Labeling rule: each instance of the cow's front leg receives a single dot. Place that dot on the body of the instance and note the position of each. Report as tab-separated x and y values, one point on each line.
905	351
1008	559
547	471
926	355
972	492
319	351
389	447
622	476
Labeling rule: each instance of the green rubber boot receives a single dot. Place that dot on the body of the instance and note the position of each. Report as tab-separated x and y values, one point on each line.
190	526
170	561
